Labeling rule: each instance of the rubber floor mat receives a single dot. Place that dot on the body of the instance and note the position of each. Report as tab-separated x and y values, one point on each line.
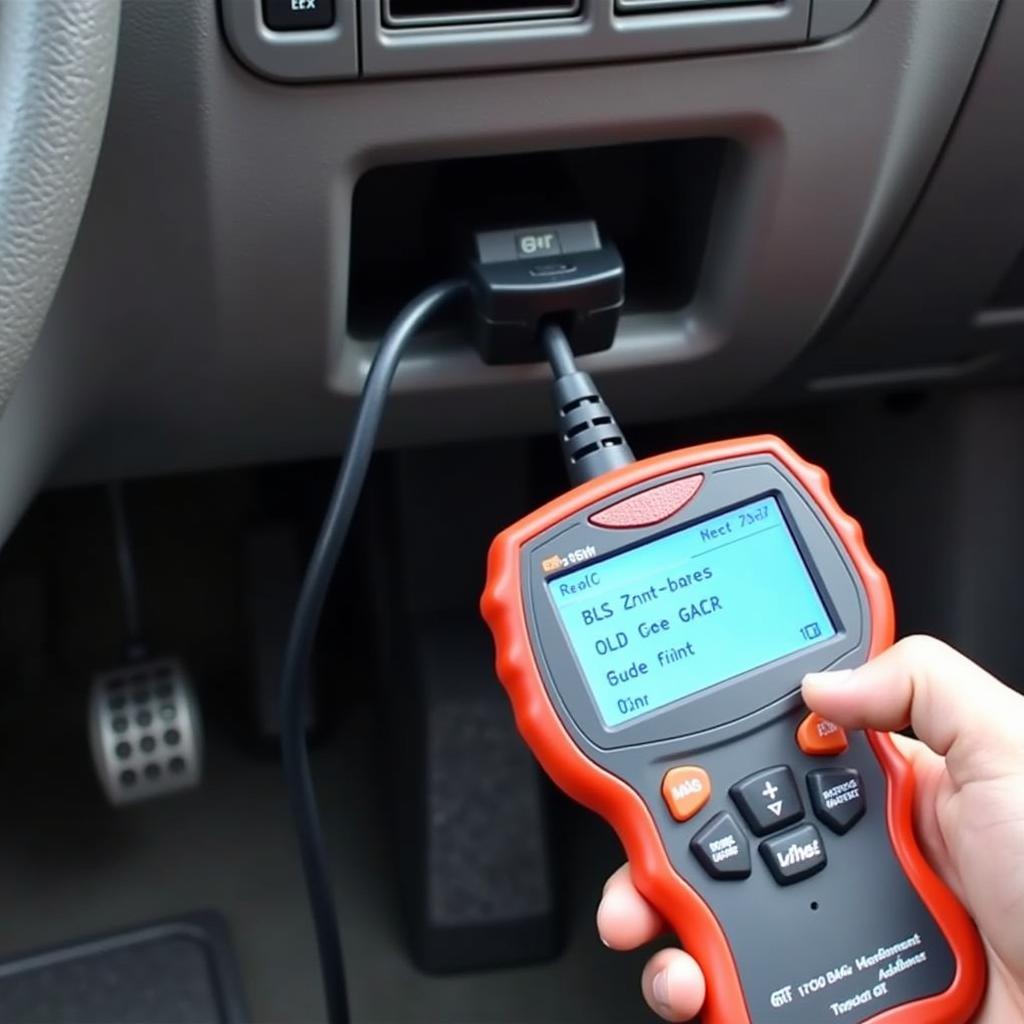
179	971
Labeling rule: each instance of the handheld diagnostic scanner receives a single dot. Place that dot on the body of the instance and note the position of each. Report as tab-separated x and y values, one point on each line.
652	627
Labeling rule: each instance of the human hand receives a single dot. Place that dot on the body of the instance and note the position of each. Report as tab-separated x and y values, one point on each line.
968	765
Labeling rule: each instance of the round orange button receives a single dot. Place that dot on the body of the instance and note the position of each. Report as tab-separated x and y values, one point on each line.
819	737
686	790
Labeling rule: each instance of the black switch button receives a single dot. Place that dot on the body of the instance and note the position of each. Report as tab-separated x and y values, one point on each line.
795	855
298	15
769	799
722	848
837	796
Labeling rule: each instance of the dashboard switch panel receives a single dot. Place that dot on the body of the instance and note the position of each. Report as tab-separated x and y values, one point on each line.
598	31
322	40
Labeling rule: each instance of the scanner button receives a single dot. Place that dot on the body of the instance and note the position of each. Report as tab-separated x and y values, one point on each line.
837	796
686	790
794	855
768	799
654	505
819	737
722	848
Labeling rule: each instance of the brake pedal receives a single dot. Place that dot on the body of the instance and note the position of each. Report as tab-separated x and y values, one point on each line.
145	730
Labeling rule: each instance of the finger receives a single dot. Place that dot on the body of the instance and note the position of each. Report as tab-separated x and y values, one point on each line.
911	749
625	919
921	758
673	985
956	708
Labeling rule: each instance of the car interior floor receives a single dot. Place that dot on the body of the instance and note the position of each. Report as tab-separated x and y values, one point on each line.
73	866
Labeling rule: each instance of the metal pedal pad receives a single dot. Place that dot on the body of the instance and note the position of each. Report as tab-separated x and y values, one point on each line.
145	730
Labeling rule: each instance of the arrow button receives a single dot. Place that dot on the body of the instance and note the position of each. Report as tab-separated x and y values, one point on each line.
769	799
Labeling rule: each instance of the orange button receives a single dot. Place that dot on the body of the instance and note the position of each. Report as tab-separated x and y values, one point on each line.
686	790
819	737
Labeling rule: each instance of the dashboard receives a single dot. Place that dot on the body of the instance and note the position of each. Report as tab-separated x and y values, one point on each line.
302	40
811	197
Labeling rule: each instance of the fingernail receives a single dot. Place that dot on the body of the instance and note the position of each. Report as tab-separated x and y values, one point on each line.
660	988
829	679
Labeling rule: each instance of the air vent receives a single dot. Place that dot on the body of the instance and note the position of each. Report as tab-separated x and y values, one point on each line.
420	13
651	6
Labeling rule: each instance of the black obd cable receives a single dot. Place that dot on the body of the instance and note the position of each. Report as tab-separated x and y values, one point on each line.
592	441
306	621
521	305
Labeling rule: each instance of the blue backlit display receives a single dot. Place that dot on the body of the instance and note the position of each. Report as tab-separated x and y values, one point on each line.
693	608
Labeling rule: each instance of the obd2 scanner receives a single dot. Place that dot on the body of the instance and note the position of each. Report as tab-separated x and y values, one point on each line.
652	627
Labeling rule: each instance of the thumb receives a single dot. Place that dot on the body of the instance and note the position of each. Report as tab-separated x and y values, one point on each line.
954	707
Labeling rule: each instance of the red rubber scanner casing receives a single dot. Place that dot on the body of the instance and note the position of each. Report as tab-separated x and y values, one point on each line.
589	784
